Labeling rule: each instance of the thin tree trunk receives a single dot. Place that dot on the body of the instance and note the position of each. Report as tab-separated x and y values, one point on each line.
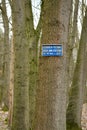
73	41
1	66
6	55
11	87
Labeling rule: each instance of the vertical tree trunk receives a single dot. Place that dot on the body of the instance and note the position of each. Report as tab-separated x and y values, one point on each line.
1	65
33	43
11	87
73	41
32	79
20	119
77	89
52	83
83	9
6	54
34	59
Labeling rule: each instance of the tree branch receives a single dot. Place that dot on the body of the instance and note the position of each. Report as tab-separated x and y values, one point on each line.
39	26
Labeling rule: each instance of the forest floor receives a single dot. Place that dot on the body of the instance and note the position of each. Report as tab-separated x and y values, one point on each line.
4	116
3	120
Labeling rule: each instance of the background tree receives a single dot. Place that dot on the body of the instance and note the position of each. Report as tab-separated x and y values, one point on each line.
6	53
73	39
11	87
78	84
1	64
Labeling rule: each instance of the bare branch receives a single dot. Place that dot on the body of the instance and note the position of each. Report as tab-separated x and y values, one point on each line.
36	7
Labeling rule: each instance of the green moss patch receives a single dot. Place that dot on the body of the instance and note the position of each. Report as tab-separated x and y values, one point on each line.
73	126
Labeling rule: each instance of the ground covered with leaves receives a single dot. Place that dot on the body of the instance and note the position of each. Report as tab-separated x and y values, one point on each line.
3	120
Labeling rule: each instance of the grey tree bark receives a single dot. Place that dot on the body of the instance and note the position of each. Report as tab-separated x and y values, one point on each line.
78	84
33	36
73	40
21	19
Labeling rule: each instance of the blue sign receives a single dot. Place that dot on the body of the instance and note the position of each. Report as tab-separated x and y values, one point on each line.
52	50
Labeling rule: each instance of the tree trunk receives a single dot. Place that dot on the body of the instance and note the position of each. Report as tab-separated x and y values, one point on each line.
33	78
34	59
73	42
20	119
11	87
77	89
6	55
52	83
1	65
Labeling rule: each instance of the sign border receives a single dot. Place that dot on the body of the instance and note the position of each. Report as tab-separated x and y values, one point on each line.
52	45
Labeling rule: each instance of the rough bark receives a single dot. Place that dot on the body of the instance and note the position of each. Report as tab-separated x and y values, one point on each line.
77	89
52	82
20	120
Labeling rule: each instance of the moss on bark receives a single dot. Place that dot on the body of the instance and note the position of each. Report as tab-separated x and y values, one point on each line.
72	126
